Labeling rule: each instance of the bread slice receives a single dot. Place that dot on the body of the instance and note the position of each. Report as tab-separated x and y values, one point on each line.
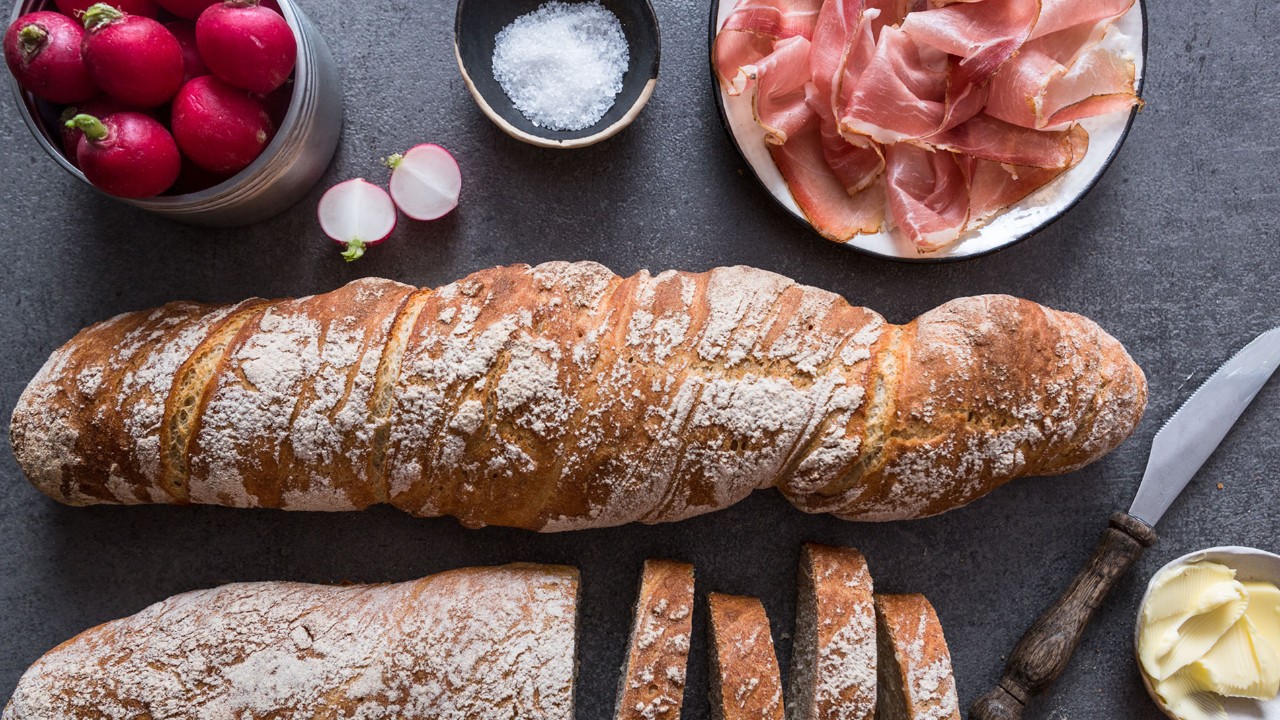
745	682
652	683
915	666
833	661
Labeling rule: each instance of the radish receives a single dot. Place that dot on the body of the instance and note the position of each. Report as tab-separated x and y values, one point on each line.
357	214
43	52
247	45
185	33
76	8
127	154
220	128
134	59
100	106
425	182
189	9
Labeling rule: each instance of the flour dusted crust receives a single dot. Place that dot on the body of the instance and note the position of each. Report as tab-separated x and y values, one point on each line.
745	681
985	389
287	419
916	681
653	678
87	430
563	397
475	643
833	661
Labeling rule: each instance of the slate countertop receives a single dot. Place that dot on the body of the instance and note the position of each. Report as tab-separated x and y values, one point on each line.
1175	253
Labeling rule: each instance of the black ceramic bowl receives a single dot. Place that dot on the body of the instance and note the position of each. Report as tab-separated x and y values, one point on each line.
477	25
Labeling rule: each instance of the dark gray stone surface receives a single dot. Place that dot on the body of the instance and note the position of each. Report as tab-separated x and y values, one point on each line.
1175	252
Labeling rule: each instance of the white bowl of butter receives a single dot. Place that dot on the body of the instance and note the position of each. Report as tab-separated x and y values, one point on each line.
1208	635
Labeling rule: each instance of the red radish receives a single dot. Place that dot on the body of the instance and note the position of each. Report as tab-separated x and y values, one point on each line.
43	52
76	8
134	59
100	106
220	128
189	9
357	214
127	154
247	45
185	33
425	182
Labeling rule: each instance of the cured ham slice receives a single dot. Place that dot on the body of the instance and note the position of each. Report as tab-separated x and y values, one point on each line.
749	33
900	95
991	139
1058	15
891	12
856	164
928	195
985	34
994	187
780	97
840	26
820	194
1053	82
981	36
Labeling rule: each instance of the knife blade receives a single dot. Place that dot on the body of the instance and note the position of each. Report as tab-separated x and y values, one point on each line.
1191	435
1179	450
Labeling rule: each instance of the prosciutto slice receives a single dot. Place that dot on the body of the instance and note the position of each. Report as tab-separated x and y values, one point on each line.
991	139
901	94
820	194
985	34
751	30
855	164
780	98
927	193
994	187
1061	78
1058	15
840	26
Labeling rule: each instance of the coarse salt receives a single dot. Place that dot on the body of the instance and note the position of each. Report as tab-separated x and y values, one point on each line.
562	65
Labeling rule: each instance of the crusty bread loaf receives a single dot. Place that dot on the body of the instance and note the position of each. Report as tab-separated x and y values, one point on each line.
833	658
653	677
745	681
916	682
476	643
563	397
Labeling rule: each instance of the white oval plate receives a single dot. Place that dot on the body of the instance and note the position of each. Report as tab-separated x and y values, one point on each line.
1022	220
1250	565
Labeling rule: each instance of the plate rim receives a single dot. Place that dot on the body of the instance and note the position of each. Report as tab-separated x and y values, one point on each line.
722	113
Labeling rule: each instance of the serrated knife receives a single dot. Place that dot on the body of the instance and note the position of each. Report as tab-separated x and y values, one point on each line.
1178	451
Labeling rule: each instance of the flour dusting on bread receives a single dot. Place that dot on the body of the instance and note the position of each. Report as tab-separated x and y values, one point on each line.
564	397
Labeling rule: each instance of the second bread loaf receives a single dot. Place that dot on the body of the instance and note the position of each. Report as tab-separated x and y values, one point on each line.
474	643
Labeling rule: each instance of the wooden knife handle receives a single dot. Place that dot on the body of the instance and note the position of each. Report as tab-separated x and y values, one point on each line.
1045	650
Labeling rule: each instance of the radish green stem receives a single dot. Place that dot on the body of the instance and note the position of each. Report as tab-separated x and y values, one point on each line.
30	39
99	15
91	126
355	250
393	161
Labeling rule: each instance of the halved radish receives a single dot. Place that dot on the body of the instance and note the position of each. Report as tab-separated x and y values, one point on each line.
357	214
425	182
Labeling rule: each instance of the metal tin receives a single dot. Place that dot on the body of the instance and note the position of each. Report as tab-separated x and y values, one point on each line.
290	166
